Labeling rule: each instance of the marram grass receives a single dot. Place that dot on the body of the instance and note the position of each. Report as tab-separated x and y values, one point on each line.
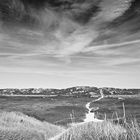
101	131
17	126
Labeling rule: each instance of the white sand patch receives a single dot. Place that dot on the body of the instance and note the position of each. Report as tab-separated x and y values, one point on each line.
90	116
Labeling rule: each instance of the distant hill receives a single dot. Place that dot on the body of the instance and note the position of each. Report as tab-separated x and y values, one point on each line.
73	91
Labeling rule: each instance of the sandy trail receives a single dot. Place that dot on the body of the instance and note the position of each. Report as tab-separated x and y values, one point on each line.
90	116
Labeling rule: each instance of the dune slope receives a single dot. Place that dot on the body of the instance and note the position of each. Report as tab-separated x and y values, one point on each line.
17	126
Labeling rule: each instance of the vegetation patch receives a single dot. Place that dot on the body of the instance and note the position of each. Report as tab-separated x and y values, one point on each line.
17	126
101	131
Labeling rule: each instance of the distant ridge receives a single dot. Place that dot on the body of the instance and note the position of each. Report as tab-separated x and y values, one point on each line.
72	91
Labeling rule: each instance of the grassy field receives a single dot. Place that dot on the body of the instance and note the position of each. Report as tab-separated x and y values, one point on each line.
40	115
55	110
112	106
58	110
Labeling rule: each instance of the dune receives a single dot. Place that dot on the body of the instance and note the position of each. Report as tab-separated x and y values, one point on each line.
100	131
17	126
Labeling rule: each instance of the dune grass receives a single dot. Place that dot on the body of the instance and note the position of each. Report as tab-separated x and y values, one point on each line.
101	131
17	126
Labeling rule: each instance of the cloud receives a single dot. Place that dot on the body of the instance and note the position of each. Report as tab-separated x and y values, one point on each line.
111	46
111	9
76	42
62	30
60	23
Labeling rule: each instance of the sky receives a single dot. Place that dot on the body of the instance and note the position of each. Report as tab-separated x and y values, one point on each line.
65	43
